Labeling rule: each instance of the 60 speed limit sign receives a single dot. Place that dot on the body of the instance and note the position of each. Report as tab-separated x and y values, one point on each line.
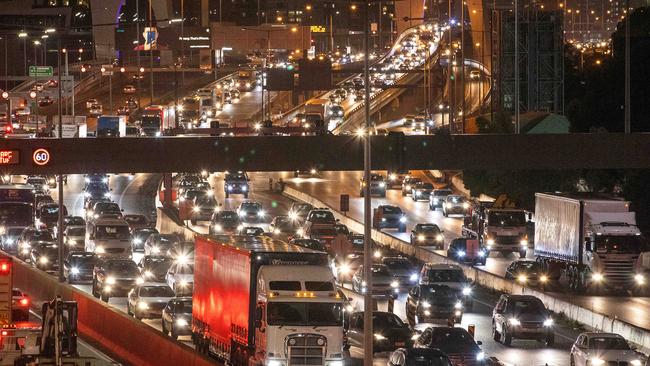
41	157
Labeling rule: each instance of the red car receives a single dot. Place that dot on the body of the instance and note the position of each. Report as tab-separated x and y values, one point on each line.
20	304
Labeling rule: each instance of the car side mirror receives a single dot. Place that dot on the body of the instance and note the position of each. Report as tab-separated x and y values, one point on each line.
479	343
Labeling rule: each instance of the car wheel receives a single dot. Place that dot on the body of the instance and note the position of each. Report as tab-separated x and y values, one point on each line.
193	222
550	340
105	297
430	207
573	361
94	290
402	229
164	327
173	334
495	335
506	338
227	195
246	196
136	315
522	254
444	213
403	194
129	312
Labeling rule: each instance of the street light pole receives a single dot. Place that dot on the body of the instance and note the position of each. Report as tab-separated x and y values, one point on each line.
628	111
368	336
59	236
516	66
150	54
137	48
450	76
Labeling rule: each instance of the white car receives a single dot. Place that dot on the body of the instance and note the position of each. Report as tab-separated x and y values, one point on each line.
603	349
91	102
147	300
180	277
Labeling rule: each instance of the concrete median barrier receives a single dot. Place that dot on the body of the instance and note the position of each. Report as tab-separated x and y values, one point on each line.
590	318
124	338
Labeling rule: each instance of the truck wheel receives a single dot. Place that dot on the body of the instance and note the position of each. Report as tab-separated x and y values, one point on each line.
522	254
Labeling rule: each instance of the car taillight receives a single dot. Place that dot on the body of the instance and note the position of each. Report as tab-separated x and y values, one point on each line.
8	128
24	302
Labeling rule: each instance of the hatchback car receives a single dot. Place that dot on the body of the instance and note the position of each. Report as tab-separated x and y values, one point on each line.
114	277
421	191
139	236
389	217
528	272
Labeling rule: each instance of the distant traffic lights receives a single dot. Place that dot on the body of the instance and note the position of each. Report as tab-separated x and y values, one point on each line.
279	79
315	74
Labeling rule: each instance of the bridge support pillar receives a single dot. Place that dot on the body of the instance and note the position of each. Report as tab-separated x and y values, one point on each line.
167	195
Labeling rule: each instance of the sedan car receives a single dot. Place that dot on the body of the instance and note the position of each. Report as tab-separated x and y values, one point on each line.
456	343
114	277
176	317
251	212
421	191
437	198
418	356
390	332
383	283
466	250
526	271
431	303
455	204
155	267
78	267
203	207
159	244
388	216
427	234
139	236
28	239
523	317
224	222
402	270
44	255
147	300
595	348
180	277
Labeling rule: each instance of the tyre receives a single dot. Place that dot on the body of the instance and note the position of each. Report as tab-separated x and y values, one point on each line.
130	313
383	195
495	335
361	193
506	338
164	328
402	229
403	193
105	297
550	340
227	195
431	207
522	254
193	222
444	213
173	334
136	315
94	290
246	196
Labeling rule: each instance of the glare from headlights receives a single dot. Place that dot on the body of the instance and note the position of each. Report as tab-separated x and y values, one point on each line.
110	280
597	277
379	337
522	278
543	279
465	205
467	291
439	237
458	305
100	250
481	253
143	305
382	185
425	304
74	270
43	260
461	253
514	321
261	213
139	281
639	279
635	363
480	356
293	215
181	322
137	241
217	228
148	274
414	277
394	284
196	209
402	219
344	269
420	237
548	322
597	361
523	242
490	241
377	254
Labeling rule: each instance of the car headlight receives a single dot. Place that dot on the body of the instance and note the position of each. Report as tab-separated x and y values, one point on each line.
74	270
548	322
402	219
514	321
458	305
229	187
481	253
137	241
439	238
382	185
435	201
425	304
261	213
414	277
244	188
467	291
639	279
86	194
293	215
157	134
240	227
377	254
10	241
408	187
596	361
155	250
635	362
523	242
143	305
148	274
490	242
100	250
461	253
379	337
522	278
465	205
394	284
421	237
480	356
72	242
43	260
183	283
110	280
107	195
597	277
344	269
217	228
196	209
181	322
139	281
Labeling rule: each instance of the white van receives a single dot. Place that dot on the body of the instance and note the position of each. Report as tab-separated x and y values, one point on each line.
109	237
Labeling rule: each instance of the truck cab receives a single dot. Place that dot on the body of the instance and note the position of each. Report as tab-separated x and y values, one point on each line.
501	230
299	320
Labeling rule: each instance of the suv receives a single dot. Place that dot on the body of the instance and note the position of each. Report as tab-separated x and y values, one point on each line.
408	184
467	250
523	317
203	208
450	275
377	186
236	183
426	303
427	234
387	216
437	198
113	277
421	191
251	212
224	222
455	204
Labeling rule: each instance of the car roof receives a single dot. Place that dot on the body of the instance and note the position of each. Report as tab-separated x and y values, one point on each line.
442	266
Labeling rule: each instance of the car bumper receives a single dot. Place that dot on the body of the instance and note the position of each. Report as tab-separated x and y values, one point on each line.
530	333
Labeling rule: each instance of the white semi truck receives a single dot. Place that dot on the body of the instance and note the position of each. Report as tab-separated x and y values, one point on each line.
592	239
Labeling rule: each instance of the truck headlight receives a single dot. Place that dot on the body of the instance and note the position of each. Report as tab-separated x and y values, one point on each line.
110	280
548	322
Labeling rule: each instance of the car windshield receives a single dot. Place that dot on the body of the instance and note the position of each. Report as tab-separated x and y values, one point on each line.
251	206
15	213
167	239
438	294
49	211
425	357
183	307
228	216
608	343
379	270
442	192
453	340
205	200
507	218
76	231
321	215
431	228
626	244
156	291
14	231
235	176
397	263
304	314
135	219
455	199
284	224
107	207
528	306
302	208
157	262
122	267
528	266
391	210
85	261
310	244
35	181
144	233
43	235
111	232
446	275
386	321
424	186
74	220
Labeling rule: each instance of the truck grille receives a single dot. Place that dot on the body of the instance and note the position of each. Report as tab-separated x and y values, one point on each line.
306	349
507	239
619	270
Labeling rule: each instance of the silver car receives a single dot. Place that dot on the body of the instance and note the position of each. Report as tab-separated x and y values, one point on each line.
383	283
454	204
148	300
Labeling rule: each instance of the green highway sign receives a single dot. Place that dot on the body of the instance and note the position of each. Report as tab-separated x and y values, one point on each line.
35	71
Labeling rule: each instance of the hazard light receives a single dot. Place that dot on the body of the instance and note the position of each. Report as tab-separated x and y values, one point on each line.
305	294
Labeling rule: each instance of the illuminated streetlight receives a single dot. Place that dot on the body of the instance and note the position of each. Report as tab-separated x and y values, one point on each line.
353	7
307	7
50	30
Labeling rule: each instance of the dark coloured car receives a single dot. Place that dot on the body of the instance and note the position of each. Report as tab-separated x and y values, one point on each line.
139	236
324	234
522	317
203	207
160	244
402	270
456	343
105	210
299	211
389	217
154	267
114	277
9	239
421	191
467	251
408	184
431	303
236	183
455	204
136	221
78	267
45	255
438	197
383	283
283	225
427	234
390	332
177	317
47	214
224	222
377	186
528	272
29	237
309	244
251	211
321	216
418	357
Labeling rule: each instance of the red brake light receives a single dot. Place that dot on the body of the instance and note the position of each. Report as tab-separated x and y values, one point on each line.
4	333
8	128
5	268
24	301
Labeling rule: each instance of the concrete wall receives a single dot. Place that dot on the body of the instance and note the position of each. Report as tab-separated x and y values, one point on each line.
594	320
